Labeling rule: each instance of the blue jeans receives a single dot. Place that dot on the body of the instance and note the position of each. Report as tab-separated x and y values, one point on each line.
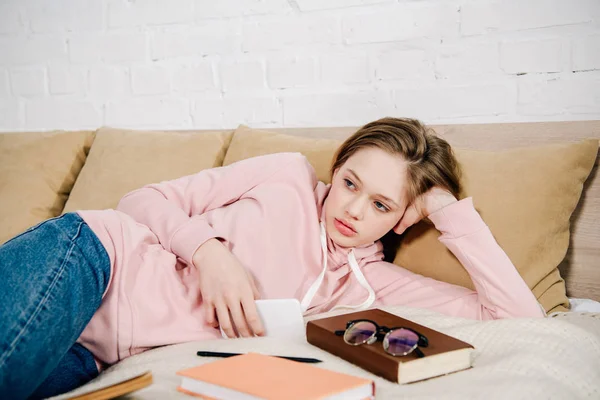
52	278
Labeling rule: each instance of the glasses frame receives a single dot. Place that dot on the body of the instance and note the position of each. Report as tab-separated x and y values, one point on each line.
382	333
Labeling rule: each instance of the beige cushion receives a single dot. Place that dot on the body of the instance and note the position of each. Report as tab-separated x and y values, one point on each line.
124	160
37	172
249	142
526	196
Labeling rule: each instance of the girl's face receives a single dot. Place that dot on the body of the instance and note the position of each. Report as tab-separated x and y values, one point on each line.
366	199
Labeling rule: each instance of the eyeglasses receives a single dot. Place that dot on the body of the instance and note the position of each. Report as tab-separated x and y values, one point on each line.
398	341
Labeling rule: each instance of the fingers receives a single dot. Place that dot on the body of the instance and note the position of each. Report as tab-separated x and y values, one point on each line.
252	317
224	320
236	317
239	319
209	315
229	295
411	216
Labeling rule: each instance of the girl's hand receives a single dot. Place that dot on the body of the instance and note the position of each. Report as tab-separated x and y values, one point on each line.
227	289
429	202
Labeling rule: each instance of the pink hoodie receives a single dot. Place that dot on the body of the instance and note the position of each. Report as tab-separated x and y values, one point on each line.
268	210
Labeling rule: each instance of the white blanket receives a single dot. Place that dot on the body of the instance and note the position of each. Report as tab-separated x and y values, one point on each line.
553	358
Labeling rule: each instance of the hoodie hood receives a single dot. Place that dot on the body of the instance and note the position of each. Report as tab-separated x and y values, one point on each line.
335	257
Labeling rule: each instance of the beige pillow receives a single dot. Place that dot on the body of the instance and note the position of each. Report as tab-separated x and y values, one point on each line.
526	196
249	142
37	172
124	160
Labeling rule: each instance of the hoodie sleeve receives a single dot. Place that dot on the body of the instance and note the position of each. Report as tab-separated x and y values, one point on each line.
172	209
500	292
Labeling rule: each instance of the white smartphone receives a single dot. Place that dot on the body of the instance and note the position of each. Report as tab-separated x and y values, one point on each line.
280	318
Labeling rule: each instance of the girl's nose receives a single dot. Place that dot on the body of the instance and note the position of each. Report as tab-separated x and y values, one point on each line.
356	209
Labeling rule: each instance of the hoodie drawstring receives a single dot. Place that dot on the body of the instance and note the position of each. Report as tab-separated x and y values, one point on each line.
362	281
355	269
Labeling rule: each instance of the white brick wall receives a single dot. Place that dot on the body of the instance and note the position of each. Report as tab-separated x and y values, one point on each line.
193	78
340	69
289	72
454	101
32	49
150	80
148	112
66	79
479	17
312	5
4	89
107	47
463	60
586	53
10	17
43	16
108	83
148	12
28	82
404	21
290	32
403	64
41	114
191	41
531	56
10	113
341	108
238	8
213	64
243	75
545	95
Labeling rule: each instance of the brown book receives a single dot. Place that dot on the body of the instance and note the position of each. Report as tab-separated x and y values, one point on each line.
117	389
443	354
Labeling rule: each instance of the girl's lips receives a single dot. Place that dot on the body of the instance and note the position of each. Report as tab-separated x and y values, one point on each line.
343	228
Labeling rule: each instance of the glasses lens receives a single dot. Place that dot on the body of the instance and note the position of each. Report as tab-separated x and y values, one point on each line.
400	342
359	332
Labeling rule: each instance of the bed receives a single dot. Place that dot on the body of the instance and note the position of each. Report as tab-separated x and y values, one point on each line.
554	357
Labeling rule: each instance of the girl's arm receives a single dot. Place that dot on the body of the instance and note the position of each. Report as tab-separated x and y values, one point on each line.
500	292
171	209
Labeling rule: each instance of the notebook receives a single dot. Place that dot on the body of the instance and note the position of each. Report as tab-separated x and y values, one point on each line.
280	318
256	376
443	355
116	389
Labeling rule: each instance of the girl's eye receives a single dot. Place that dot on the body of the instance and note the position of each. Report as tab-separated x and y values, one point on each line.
381	207
349	184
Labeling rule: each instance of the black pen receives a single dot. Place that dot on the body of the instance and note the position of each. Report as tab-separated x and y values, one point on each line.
224	355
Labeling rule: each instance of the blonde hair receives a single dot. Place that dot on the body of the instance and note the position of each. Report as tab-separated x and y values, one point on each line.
431	161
